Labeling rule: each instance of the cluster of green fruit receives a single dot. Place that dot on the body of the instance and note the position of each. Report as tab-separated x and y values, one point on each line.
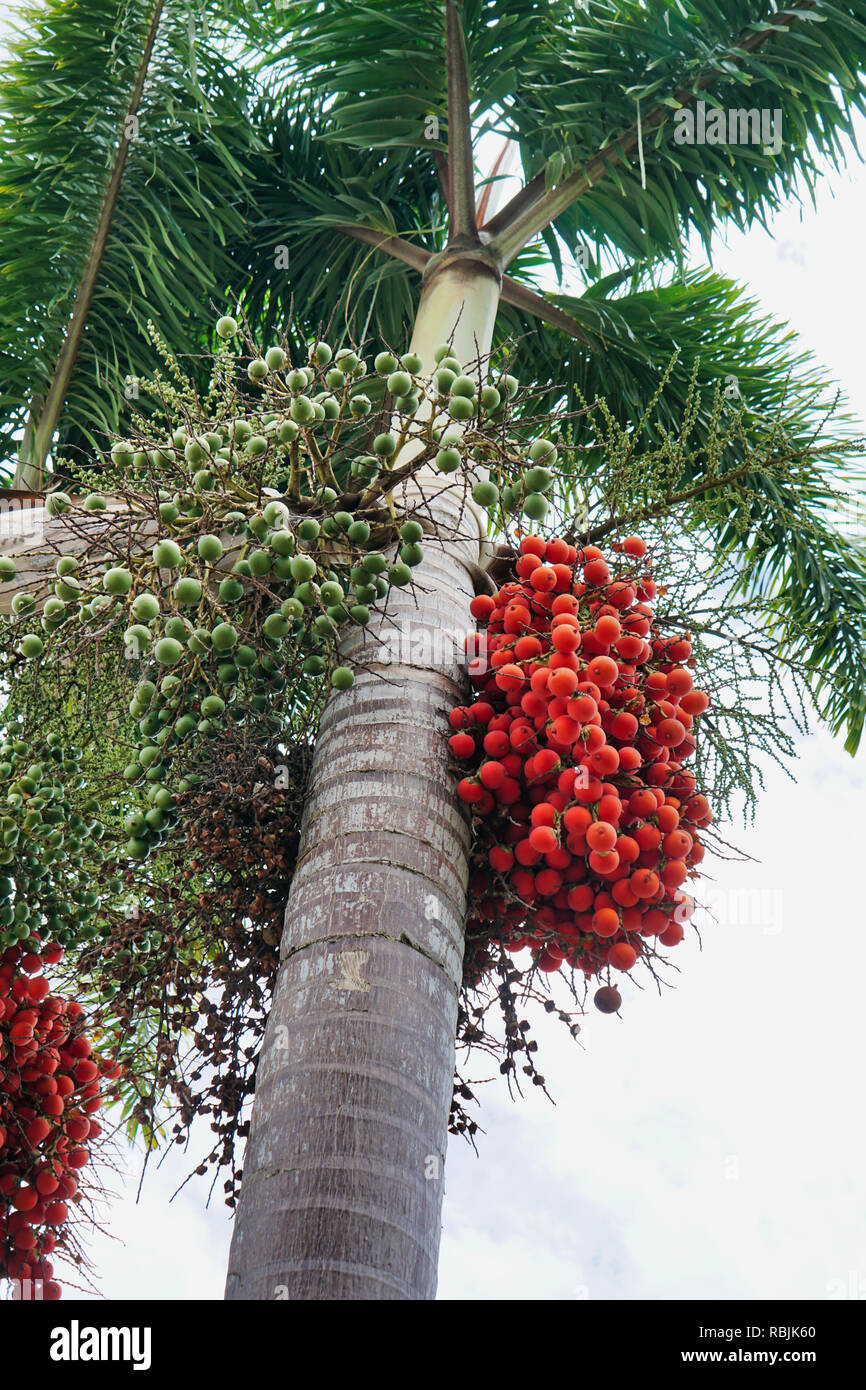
46	840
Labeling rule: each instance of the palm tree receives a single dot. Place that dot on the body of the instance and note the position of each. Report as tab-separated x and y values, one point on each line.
367	127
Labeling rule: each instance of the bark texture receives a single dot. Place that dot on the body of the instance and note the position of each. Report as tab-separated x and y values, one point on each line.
342	1187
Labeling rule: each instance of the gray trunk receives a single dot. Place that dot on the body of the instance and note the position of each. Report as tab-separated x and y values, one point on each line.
342	1189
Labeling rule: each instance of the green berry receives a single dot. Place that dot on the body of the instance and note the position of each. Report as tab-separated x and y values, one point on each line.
117	581
535	506
542	451
342	678
166	555
399	383
258	369
411	554
275	359
411	531
448	460
226	326
145	607
187	591
224	636
461	408
302	409
537	479
210	548
384	445
485	493
168	651
385	363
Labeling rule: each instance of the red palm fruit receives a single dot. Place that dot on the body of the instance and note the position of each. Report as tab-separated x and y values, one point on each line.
462	745
548	882
622	956
677	844
538	680
543	838
605	921
525	648
580	898
564	731
620	595
603	670
543	814
592	737
25	1199
604	760
596	572
601	836
56	1213
604	863
558	858
644	883
588	792
697	808
668	818
526	564
669	733
496	743
564	603
633	545
629	759
492	775
543	579
564	576
583	707
577	819
469	791
77	1158
672	935
623	894
623	725
532	545
549	958
459	717
533	705
556	551
522	736
628	849
481	607
509	792
546	762
610	806
607	630
653	921
562	681
674	873
656	682
526	854
695	702
566	638
648	836
679	682
629	647
642	803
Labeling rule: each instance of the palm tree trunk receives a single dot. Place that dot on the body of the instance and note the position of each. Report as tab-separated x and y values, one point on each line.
342	1187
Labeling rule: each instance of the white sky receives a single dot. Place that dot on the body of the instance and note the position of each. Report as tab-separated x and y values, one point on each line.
709	1143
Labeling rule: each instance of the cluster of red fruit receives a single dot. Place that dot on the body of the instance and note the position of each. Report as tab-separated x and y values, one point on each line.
50	1091
586	818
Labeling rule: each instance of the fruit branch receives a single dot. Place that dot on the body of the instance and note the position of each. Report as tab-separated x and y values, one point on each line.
533	209
39	434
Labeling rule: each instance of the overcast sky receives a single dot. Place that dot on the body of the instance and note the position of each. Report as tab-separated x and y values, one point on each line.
709	1143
